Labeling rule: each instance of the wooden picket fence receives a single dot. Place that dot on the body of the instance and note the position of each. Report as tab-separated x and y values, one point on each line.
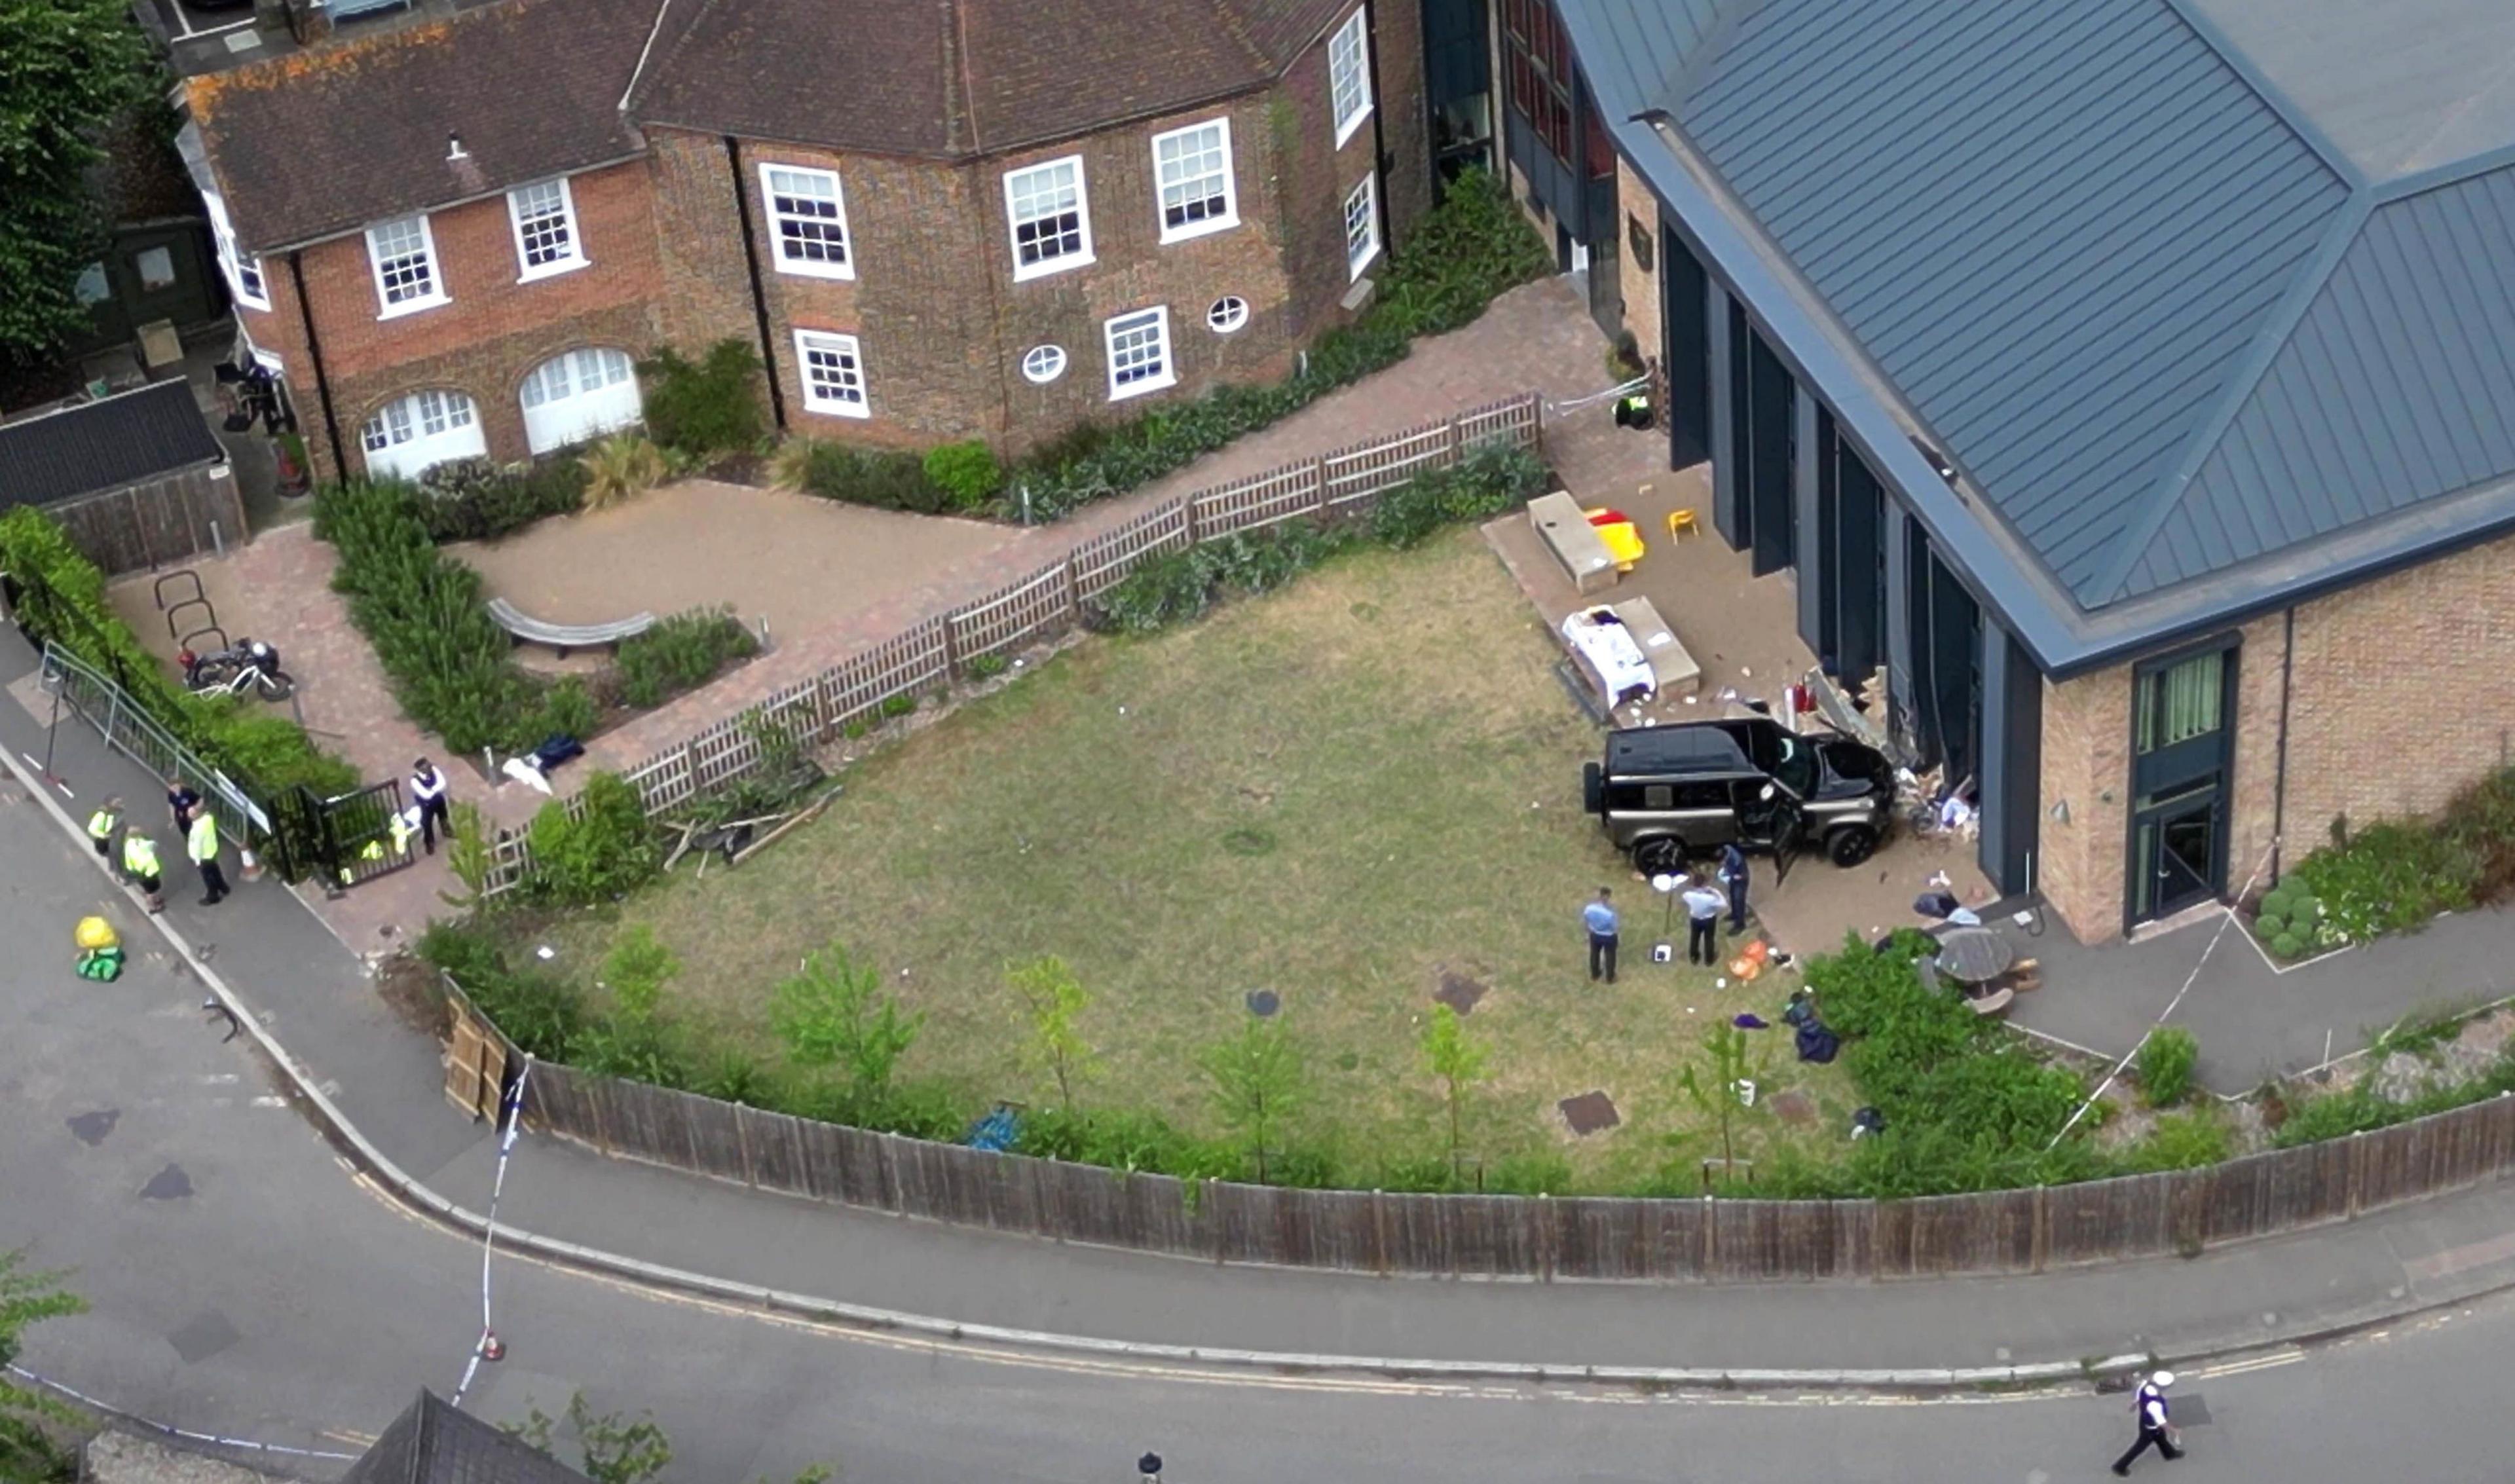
930	654
2181	1211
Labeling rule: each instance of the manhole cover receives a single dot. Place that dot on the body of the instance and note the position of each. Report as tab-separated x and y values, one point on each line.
1590	1112
1263	1003
1793	1107
1457	991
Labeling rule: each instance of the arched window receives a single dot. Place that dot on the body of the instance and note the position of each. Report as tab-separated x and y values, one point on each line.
578	396
409	434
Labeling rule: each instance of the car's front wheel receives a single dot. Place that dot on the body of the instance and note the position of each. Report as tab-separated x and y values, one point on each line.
1660	855
1851	844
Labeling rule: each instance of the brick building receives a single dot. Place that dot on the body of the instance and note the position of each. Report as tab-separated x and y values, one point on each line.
454	235
2127	382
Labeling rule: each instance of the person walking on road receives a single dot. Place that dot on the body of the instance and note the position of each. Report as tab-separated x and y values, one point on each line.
1599	917
1702	923
2155	1430
1733	880
140	863
428	791
201	843
180	802
102	826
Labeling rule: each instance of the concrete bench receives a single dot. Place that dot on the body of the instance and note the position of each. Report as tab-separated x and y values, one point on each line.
1671	665
524	628
1574	543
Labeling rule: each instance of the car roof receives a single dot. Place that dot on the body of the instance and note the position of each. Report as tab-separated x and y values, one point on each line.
1688	748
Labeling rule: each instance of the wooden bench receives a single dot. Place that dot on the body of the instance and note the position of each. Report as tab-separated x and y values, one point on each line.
1574	543
524	628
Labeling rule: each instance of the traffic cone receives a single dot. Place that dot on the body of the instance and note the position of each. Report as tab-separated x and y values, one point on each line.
491	1346
252	865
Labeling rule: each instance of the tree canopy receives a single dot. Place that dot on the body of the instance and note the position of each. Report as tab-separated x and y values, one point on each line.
66	69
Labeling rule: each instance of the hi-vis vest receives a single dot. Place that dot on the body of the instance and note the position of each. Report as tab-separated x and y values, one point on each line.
203	843
140	856
101	824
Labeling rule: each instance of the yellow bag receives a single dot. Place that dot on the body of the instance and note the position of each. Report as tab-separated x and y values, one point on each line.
95	933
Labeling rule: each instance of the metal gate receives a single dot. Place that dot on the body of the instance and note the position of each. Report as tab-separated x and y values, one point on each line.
351	839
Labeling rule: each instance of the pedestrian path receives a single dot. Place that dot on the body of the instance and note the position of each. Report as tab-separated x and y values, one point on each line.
384	1074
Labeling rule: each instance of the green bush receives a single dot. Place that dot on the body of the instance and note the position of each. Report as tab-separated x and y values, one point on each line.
704	409
986	667
62	600
1472	247
567	710
2359	1110
2178	1142
603	851
2388	876
2165	1062
2269	926
875	477
967	472
681	653
2287	945
1487	480
475	500
1179	586
539	1011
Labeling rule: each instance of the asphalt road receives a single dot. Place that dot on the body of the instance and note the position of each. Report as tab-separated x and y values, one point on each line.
243	1282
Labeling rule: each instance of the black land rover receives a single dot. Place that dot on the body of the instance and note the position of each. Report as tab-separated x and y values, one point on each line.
1669	793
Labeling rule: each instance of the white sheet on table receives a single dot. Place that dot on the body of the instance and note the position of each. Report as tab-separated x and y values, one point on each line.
1609	650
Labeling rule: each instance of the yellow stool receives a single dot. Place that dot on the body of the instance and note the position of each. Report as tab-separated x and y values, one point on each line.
1681	523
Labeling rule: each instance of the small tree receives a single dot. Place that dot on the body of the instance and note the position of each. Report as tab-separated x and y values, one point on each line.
70	67
613	1451
25	1300
1459	1060
1718	1085
1258	1080
634	1042
833	1012
470	856
1052	1001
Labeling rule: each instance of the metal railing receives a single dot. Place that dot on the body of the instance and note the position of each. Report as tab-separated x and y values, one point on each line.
127	727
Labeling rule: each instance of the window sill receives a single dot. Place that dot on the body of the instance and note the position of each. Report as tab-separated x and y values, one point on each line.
1051	268
414	306
1355	267
830	271
1346	128
1144	389
1199	229
856	410
559	269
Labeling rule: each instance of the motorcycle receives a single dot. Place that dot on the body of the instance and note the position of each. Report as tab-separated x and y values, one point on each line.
247	666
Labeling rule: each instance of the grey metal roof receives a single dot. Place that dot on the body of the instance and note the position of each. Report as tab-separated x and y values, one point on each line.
434	1443
103	444
2396	387
2205	312
2054	227
2396	86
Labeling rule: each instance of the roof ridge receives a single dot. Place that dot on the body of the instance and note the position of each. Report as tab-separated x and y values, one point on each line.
639	83
1235	25
2294	119
2262	353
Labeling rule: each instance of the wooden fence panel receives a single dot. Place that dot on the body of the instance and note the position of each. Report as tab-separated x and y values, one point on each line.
774	1143
154	524
1037	605
1084	1203
555	1104
1610	1238
715	1134
1419	1237
1992	1232
1245	1219
1513	420
911	663
1495	1236
1103	562
1761	1240
1259	500
2126	1217
1358	474
1159	1218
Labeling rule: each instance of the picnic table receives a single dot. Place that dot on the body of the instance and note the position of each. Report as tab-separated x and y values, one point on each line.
1972	956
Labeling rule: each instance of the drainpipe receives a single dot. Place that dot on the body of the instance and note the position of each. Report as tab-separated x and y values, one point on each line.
1379	104
2279	780
759	290
314	353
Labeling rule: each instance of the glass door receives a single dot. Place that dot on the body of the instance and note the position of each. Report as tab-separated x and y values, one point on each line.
2176	859
2183	734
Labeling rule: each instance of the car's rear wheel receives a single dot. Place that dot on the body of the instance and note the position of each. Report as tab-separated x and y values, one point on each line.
1660	855
1851	844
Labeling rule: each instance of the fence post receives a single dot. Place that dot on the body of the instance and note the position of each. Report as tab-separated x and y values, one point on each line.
1325	505
2040	1243
1380	1230
1711	1241
1537	424
1205	1203
1187	519
1544	1210
1047	1216
951	651
1073	588
742	1142
889	1174
2357	1165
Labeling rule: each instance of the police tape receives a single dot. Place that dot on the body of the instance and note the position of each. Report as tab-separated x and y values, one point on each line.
1624	389
217	1440
490	1346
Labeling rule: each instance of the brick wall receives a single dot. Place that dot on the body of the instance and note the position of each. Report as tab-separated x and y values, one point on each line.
491	331
1635	204
2380	725
1405	128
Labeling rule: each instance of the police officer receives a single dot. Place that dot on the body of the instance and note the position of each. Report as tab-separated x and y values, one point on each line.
2155	1430
103	825
140	863
201	843
180	802
428	790
1733	880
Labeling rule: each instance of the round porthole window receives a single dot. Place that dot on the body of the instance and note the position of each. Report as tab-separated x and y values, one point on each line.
1044	364
1229	313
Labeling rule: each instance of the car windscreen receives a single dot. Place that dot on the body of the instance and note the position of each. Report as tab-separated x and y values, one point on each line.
1794	764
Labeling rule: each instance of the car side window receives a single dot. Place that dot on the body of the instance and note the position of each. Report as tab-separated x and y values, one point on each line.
1628	796
1659	796
1702	796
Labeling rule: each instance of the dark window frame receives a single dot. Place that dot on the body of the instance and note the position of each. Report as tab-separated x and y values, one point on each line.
1537	66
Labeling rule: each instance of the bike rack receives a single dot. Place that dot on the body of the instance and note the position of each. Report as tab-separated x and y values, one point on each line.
186	642
203	604
158	589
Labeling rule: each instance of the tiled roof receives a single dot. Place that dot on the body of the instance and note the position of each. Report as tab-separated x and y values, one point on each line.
333	138
433	1443
961	78
104	445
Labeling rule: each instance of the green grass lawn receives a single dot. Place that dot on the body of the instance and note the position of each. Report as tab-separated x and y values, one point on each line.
1336	793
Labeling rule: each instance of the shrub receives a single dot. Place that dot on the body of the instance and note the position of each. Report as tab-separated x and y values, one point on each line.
681	653
2388	876
2287	945
621	468
878	479
2165	1062
1179	586
539	1011
707	408
2178	1142
967	472
475	500
987	667
63	601
603	851
1487	480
